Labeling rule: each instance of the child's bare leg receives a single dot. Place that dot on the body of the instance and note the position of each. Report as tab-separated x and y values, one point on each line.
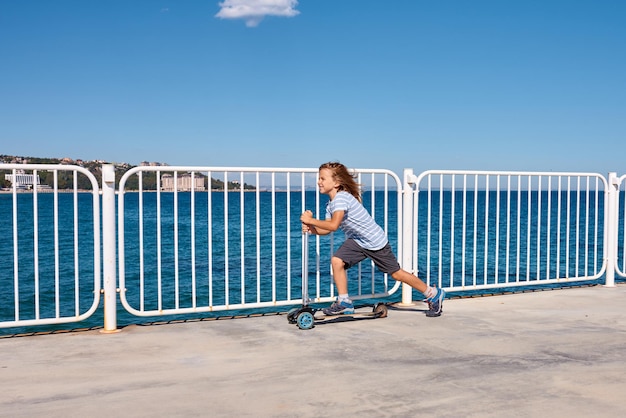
413	281
433	295
343	305
339	275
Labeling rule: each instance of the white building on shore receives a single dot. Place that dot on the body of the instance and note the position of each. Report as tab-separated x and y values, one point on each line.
21	180
183	183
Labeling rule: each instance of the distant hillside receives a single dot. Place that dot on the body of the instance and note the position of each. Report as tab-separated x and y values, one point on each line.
65	179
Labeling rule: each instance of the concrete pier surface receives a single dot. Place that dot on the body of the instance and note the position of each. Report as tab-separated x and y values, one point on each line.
559	353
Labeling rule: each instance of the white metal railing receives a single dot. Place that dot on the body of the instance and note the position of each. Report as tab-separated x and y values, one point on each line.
187	246
184	245
620	227
50	253
492	229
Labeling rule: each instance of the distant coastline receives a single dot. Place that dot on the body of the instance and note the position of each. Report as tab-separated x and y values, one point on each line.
48	191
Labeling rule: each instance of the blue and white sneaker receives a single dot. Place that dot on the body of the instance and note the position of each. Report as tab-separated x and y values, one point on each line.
435	304
339	308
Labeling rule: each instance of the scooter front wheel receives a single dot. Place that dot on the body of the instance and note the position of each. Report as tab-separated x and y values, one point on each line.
305	320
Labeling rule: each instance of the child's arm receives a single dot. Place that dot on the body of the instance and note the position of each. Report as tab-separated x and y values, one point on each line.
321	227
313	230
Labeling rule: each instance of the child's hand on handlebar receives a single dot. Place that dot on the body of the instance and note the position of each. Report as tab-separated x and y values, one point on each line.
306	217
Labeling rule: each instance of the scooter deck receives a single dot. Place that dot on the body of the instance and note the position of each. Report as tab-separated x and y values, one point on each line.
321	317
307	317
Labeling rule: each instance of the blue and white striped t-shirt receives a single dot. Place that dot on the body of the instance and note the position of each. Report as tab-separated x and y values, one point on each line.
357	222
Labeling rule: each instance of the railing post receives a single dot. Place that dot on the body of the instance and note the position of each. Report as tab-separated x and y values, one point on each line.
612	224
407	233
108	248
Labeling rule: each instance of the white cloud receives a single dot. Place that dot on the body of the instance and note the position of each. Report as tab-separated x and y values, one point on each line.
253	11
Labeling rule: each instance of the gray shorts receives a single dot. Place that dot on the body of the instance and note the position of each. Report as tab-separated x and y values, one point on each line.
351	253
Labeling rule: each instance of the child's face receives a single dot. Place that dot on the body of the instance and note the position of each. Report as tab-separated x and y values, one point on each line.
326	182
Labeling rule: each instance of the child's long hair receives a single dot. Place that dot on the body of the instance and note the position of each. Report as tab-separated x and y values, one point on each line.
347	181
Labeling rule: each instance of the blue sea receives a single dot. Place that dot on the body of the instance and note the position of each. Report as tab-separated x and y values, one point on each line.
265	249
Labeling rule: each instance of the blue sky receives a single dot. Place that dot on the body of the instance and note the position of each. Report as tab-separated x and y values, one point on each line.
437	84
